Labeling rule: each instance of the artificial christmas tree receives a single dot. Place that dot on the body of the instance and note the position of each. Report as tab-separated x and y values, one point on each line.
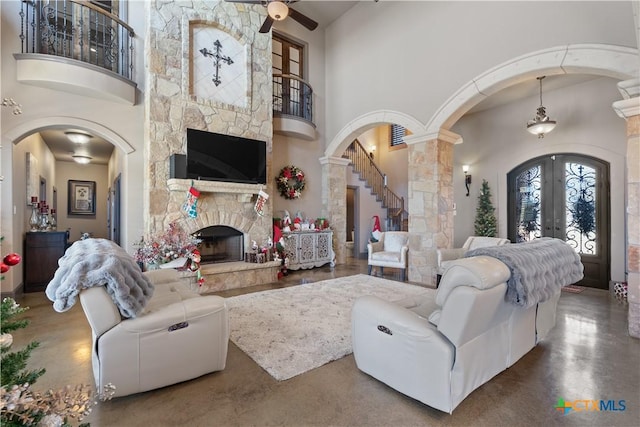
485	224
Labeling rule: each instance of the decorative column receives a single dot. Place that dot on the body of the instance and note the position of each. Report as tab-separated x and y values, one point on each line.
629	109
430	201
334	200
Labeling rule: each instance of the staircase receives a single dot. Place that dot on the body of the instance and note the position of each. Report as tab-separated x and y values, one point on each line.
376	181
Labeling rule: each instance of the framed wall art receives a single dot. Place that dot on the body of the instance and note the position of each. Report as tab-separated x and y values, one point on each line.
81	198
33	180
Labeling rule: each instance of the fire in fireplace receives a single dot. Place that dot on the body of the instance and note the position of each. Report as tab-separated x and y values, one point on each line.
220	243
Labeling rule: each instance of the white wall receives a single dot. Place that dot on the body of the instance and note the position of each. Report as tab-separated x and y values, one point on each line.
495	142
96	225
298	152
412	56
18	211
41	105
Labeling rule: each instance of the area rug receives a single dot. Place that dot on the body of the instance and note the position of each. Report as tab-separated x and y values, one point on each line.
292	330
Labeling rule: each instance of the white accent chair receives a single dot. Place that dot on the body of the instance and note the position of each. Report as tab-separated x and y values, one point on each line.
179	336
390	251
446	256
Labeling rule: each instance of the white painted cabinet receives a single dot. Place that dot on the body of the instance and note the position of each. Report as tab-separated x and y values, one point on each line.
308	249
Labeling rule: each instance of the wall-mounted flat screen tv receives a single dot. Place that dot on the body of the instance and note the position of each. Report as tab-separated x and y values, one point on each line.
217	157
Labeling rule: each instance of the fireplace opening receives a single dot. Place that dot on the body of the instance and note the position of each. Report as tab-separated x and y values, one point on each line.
220	243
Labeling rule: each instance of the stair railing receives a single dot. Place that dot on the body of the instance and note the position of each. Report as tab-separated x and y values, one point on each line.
376	181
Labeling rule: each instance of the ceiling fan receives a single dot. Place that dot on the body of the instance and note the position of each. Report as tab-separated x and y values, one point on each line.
279	10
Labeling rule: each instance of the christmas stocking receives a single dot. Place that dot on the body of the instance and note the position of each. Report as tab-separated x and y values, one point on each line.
262	199
191	203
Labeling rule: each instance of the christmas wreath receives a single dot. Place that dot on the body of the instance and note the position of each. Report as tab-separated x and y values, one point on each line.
290	182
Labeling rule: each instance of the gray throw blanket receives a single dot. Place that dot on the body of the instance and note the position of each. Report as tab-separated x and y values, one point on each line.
538	268
99	262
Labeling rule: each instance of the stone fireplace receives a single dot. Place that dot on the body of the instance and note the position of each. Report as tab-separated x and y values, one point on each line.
225	210
176	100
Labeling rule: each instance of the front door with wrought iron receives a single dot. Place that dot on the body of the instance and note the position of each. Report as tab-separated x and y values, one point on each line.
565	196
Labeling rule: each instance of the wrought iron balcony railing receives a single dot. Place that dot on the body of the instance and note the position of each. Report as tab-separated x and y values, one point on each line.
77	30
292	96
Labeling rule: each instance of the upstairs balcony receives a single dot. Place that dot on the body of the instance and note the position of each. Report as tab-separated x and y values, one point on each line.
293	107
76	46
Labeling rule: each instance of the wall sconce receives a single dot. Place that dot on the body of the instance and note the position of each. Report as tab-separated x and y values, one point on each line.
467	177
372	148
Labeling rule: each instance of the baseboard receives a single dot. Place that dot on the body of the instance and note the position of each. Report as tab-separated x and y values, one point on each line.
15	294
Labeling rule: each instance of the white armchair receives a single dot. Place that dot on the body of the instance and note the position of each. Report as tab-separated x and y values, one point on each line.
390	251
446	256
179	336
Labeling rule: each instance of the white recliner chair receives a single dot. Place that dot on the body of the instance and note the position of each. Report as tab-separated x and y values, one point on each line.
445	256
441	346
179	336
389	251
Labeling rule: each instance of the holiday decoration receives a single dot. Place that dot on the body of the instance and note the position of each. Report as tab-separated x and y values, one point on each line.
290	182
12	259
166	246
8	261
190	205
194	265
20	405
260	202
584	216
375	232
485	223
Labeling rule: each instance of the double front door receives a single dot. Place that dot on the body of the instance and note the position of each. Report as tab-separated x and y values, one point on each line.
565	196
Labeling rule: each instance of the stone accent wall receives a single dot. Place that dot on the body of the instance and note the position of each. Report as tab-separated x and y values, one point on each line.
334	199
430	199
633	224
171	108
629	109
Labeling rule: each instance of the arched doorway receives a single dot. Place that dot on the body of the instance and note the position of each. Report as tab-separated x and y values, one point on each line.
602	60
565	196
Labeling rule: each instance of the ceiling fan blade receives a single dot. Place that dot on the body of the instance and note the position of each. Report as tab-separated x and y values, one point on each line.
266	25
303	19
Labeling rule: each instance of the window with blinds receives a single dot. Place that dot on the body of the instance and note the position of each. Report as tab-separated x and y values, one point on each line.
397	135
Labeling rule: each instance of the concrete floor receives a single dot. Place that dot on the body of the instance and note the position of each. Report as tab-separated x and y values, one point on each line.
589	355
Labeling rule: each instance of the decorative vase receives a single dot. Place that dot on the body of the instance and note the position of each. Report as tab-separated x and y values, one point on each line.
34	221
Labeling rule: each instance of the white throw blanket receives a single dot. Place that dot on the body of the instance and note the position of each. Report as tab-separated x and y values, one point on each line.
99	262
538	268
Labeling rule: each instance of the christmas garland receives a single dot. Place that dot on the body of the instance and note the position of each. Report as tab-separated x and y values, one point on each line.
290	182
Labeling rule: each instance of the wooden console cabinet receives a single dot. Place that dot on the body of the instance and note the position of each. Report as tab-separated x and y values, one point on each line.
308	249
41	253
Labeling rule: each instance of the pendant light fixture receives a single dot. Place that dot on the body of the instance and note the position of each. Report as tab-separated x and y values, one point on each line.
277	10
83	160
541	124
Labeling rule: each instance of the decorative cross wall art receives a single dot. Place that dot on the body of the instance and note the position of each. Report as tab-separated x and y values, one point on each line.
218	59
219	66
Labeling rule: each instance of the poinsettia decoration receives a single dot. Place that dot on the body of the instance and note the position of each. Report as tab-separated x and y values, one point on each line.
290	182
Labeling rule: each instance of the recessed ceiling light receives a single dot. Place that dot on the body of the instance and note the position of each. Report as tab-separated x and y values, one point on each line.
83	160
78	137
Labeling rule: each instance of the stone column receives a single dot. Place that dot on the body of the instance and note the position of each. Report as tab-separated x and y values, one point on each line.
334	200
629	109
430	201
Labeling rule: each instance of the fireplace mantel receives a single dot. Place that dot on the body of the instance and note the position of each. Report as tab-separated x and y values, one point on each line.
175	184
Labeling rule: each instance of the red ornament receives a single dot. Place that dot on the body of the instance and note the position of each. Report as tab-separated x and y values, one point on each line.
3	267
12	259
